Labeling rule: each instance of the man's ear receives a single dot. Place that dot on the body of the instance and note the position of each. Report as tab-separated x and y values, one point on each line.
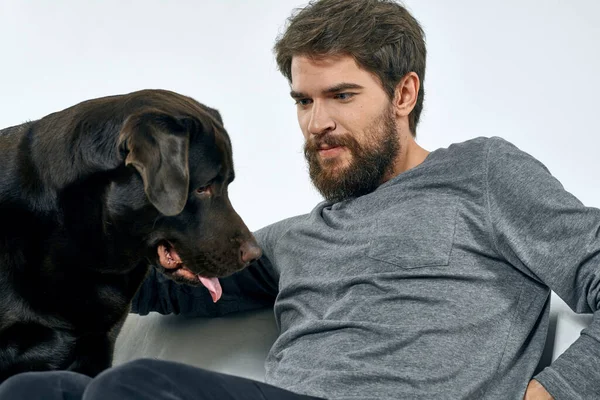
157	146
406	94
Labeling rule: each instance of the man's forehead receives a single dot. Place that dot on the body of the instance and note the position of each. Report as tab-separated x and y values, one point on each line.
330	68
324	74
319	64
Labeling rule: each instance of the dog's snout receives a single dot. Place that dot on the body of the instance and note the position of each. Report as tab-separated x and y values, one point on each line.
249	252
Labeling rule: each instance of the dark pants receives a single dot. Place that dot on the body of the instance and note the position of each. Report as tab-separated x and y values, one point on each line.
143	379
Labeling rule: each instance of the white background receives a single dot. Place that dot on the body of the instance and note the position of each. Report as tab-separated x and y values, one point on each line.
525	70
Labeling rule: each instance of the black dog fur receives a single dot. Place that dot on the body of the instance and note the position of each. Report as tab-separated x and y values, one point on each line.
87	197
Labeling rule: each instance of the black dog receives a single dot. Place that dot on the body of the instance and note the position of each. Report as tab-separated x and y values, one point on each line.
90	197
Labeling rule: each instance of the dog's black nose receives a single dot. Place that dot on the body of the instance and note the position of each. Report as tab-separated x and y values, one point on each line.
249	252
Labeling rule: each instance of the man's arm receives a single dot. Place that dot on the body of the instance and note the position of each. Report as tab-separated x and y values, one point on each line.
535	391
549	235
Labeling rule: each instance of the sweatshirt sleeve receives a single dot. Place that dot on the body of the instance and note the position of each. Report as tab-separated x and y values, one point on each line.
251	288
254	287
548	234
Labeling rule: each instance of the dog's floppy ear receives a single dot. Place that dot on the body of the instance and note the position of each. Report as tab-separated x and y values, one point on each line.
215	114
157	145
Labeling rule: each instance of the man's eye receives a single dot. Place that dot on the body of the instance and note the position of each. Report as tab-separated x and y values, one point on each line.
302	102
344	96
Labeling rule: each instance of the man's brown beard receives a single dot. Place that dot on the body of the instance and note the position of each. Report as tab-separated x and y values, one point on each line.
368	165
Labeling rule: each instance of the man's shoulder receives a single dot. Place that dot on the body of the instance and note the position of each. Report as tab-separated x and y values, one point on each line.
474	152
476	146
498	153
496	158
459	158
269	235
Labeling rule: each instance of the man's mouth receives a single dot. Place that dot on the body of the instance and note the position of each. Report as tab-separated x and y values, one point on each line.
173	264
330	151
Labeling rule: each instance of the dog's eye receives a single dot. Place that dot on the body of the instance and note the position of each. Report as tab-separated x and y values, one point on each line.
204	189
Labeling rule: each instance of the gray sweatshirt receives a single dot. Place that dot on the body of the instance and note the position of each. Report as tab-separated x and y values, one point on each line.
434	286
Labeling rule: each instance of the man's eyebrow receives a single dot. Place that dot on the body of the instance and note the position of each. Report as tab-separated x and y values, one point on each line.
297	95
333	89
340	87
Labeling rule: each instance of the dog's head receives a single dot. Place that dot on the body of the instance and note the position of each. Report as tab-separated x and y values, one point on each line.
174	195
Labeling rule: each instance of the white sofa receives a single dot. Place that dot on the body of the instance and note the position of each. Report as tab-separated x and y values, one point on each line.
237	344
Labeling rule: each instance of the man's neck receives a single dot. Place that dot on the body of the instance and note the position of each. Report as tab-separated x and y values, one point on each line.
411	155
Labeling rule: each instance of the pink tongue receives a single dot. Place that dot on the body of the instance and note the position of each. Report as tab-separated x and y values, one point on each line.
214	287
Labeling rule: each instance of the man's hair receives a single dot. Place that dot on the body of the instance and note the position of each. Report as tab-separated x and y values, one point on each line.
381	36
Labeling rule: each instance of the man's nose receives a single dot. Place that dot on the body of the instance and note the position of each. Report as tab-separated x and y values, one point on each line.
320	120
